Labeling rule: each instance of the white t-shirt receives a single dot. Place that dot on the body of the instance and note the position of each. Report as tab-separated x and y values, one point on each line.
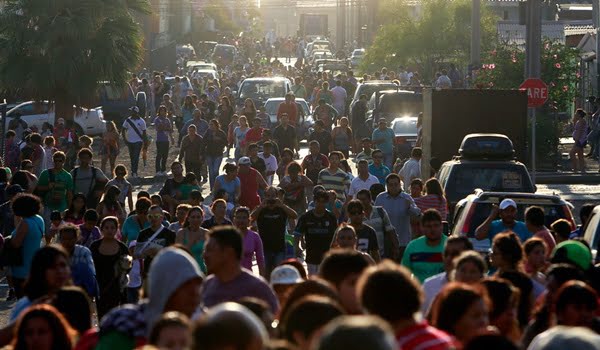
410	170
358	184
131	135
431	287
271	164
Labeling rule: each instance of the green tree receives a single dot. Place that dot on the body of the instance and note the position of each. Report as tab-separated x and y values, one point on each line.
60	50
440	33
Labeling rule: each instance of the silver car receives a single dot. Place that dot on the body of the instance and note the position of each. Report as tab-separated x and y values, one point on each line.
307	122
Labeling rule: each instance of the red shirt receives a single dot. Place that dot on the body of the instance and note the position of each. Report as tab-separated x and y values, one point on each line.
249	189
422	336
253	136
292	111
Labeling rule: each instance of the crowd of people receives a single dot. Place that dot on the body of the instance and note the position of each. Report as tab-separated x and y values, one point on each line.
266	249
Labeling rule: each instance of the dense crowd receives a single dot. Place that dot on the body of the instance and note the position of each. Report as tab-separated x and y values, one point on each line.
265	248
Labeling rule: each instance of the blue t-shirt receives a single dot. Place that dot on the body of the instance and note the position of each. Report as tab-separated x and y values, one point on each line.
380	172
31	244
165	124
229	187
387	147
131	228
520	229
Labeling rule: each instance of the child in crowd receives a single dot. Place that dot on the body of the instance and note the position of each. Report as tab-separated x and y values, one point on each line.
56	222
222	194
135	277
180	214
89	231
189	184
49	150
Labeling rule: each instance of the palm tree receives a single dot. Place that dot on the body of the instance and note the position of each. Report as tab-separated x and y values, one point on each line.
59	50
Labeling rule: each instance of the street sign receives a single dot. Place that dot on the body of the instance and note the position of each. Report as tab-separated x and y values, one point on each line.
537	92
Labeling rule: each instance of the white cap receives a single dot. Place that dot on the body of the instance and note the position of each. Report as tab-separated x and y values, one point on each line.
244	161
285	274
135	109
61	120
507	203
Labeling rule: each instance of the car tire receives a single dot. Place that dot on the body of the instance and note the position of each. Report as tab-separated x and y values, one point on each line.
140	102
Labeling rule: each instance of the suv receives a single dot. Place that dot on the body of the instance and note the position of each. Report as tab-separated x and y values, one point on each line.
591	234
392	104
260	90
485	161
116	101
368	88
472	211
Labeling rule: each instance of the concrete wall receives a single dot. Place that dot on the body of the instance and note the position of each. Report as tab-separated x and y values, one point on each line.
449	115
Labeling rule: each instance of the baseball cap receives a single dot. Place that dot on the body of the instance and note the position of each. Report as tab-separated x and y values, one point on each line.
244	161
572	252
135	109
507	203
285	274
13	190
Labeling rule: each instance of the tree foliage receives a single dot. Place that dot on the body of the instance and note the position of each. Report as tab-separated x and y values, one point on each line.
438	33
59	50
503	68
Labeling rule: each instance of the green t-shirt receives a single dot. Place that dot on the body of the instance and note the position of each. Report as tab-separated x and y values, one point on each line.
56	198
424	260
186	190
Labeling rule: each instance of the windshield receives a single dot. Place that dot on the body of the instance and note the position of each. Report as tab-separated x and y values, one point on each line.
272	106
321	46
224	50
488	177
410	104
357	53
262	90
405	126
369	89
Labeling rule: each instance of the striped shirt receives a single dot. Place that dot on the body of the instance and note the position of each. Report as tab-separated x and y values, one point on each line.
422	336
433	201
338	182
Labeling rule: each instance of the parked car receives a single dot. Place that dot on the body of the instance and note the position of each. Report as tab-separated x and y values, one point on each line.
87	121
200	65
591	233
356	57
224	55
260	90
405	136
485	161
368	88
116	102
472	211
306	123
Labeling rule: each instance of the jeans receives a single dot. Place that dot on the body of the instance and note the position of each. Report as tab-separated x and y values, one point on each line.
272	260
194	167
135	148
214	163
388	160
162	153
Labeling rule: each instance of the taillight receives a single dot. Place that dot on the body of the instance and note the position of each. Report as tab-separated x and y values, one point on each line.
467	226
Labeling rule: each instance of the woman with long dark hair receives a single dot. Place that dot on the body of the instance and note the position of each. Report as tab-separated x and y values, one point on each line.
74	214
215	141
50	271
109	204
193	236
42	327
112	261
434	198
249	109
27	236
225	111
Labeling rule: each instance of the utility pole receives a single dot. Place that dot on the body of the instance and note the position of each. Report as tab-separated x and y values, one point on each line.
533	26
476	34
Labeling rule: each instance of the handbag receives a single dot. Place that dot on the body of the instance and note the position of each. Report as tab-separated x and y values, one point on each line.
11	255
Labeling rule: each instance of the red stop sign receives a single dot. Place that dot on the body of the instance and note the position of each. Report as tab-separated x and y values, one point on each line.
537	92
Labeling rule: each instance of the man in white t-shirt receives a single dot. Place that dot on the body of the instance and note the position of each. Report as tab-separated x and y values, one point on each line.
134	130
270	162
412	168
364	180
339	98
